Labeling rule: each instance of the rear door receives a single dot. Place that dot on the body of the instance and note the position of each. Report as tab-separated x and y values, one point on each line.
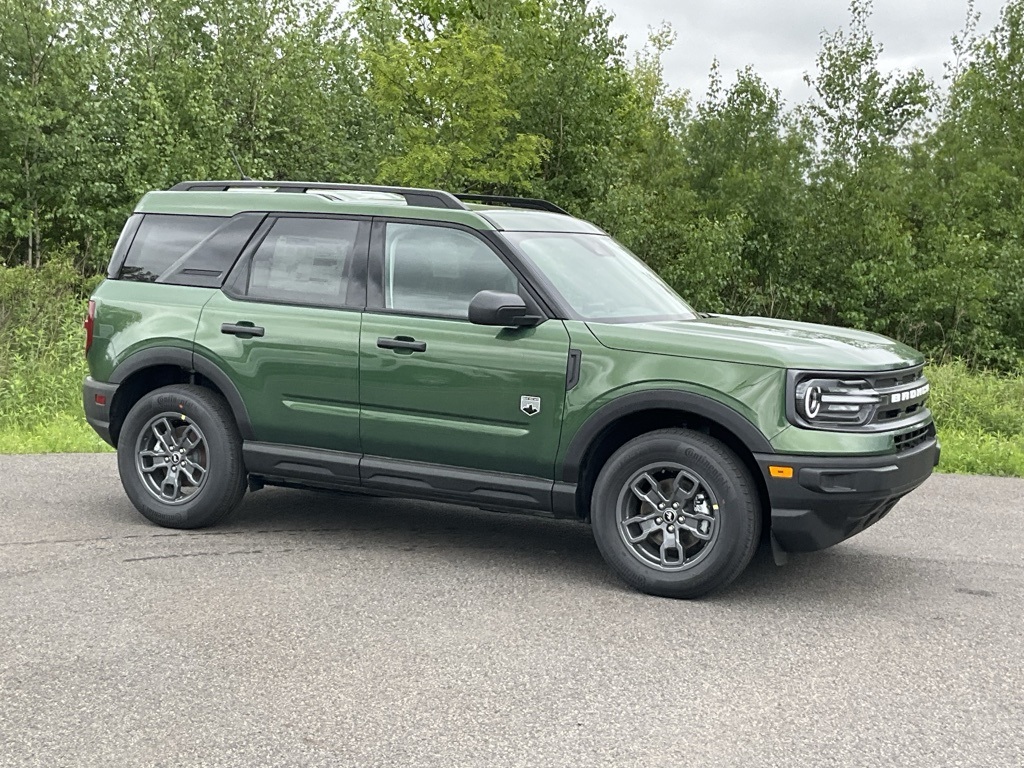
438	389
285	328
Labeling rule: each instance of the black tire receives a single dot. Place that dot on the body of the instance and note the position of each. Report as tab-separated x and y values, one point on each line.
193	414
732	529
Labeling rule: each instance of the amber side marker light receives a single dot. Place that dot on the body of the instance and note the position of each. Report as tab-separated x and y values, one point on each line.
783	472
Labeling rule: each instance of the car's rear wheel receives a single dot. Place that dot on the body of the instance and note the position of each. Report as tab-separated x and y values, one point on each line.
179	455
676	513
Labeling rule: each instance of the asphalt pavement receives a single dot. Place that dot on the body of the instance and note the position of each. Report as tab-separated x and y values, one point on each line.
313	629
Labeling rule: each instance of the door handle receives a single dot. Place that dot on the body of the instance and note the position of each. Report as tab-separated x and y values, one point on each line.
402	342
243	329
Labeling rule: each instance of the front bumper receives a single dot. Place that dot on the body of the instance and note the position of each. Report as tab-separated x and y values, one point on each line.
831	498
97	398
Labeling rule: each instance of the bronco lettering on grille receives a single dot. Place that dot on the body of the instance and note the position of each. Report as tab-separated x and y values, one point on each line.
909	394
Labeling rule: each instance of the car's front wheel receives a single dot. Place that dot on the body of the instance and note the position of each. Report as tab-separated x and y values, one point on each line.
179	455
676	513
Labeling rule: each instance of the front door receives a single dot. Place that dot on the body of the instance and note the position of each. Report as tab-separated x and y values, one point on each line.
286	330
436	388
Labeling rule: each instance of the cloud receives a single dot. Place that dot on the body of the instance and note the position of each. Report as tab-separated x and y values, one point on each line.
780	38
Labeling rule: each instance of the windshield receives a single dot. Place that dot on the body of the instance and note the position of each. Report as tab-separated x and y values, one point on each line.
600	279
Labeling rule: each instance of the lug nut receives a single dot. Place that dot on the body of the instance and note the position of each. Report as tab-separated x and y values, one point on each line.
671	528
658	521
661	506
675	505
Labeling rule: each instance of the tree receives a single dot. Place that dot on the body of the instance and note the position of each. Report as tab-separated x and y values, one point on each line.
747	162
48	117
858	244
970	213
447	98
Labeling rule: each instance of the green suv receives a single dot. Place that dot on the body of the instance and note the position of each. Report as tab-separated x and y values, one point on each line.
487	351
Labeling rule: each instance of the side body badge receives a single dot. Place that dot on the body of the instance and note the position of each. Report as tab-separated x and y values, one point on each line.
529	405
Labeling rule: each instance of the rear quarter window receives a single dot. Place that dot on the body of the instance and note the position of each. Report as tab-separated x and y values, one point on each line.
161	240
123	244
207	263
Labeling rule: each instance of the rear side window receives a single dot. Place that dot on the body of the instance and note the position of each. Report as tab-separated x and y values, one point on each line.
161	240
304	261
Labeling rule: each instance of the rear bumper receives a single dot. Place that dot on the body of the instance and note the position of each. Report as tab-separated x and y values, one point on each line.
831	498
97	398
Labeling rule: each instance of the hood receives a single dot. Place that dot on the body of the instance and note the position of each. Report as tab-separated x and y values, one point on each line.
761	341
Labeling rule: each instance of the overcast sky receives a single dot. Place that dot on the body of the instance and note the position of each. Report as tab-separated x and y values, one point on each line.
780	38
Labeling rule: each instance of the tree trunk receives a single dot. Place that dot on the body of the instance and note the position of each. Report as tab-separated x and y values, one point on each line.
28	199
35	229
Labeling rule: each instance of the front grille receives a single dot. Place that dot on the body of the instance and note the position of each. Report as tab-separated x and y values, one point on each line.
894	384
895	414
914	438
895	379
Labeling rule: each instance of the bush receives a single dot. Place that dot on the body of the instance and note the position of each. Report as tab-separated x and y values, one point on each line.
41	344
980	417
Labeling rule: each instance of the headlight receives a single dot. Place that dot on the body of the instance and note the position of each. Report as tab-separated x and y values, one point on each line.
857	401
821	402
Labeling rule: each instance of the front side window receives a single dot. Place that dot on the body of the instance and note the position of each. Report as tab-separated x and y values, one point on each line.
599	279
304	261
435	270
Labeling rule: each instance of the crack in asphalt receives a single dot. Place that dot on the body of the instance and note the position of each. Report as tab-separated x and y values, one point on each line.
196	534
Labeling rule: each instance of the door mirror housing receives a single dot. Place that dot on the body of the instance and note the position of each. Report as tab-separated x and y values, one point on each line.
507	310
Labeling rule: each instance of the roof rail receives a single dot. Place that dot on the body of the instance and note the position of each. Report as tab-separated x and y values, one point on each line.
424	198
518	202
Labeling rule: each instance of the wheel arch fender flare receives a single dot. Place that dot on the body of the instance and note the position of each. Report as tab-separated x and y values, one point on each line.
659	399
193	363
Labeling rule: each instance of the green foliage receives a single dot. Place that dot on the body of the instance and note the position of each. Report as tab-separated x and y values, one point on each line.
41	359
41	342
61	433
576	91
882	202
748	161
976	453
968	189
103	103
447	100
978	401
273	81
981	419
51	186
860	110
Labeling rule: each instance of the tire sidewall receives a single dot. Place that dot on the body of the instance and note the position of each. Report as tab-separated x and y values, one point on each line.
207	505
738	516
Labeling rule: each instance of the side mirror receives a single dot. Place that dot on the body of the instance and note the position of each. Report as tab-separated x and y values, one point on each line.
496	308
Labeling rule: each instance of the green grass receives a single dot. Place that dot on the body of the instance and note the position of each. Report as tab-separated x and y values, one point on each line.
42	360
980	415
62	433
975	453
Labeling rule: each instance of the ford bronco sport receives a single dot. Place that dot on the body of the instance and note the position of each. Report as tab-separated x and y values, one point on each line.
487	351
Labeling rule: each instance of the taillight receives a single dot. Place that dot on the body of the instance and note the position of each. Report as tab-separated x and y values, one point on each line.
90	322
